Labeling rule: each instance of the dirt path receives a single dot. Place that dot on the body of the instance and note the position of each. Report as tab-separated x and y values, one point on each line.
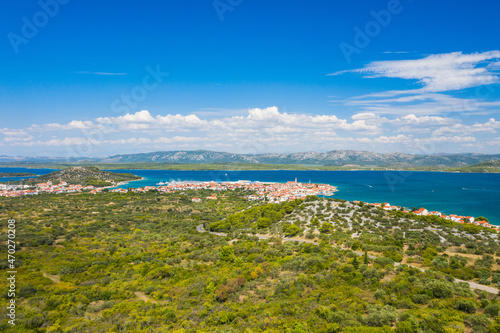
145	298
473	285
54	278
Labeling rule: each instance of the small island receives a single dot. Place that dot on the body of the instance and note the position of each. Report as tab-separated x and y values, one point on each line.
82	175
16	174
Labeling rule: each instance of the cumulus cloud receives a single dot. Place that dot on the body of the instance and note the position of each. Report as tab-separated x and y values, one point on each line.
489	127
364	116
143	120
261	130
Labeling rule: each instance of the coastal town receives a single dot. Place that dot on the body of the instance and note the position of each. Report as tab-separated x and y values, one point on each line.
266	191
272	192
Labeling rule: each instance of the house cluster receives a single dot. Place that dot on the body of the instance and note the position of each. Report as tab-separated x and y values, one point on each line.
281	192
183	186
423	212
273	192
48	187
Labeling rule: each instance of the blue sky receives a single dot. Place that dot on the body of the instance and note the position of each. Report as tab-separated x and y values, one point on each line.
93	79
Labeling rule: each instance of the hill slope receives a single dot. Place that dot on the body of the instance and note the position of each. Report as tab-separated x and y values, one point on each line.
334	158
82	175
135	263
309	158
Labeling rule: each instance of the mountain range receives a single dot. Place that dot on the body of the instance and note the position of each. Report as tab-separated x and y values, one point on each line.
330	158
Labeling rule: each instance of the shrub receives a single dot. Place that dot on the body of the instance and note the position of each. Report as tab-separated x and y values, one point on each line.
36	321
379	316
492	309
440	262
466	306
420	298
27	290
382	261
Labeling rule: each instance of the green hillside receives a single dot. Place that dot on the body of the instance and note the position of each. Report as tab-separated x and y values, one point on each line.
142	263
84	175
492	166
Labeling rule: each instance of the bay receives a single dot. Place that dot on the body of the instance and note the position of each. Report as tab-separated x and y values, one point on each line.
468	194
37	172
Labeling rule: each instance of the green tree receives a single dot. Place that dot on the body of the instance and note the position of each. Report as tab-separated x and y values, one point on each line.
326	228
227	253
355	261
263	222
290	230
440	289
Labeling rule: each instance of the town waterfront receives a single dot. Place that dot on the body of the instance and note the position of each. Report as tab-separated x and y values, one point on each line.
474	194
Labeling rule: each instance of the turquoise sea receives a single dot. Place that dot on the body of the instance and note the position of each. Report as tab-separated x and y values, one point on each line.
473	194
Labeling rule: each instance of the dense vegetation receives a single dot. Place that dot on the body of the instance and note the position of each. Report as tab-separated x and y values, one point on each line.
136	263
88	175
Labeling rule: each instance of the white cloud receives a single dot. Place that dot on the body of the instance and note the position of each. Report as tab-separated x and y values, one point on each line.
14	136
13	132
439	72
419	103
259	131
143	120
364	116
440	139
394	139
490	126
414	120
72	125
60	142
100	73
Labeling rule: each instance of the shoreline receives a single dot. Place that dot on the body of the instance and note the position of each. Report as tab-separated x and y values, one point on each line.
125	182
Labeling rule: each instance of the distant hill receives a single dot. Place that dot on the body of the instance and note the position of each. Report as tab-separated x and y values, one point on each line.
198	156
333	158
309	158
85	175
